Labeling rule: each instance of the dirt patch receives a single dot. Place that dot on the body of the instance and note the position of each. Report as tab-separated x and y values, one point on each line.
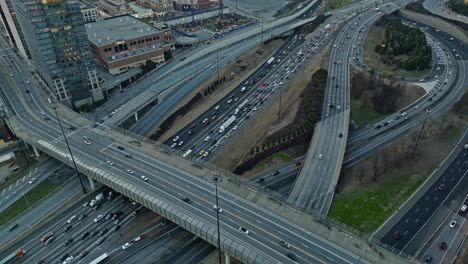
238	148
235	71
286	121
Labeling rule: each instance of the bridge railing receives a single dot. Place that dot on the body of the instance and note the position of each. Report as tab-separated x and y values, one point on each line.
319	218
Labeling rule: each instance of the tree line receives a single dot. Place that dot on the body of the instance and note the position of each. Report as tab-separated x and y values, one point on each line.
459	6
404	40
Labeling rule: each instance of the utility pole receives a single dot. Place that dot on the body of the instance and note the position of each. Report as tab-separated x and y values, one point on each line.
69	149
217	62
279	108
262	31
217	179
420	133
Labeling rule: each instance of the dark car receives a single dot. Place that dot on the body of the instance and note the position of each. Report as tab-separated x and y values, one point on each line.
396	235
135	212
116	215
128	156
95	232
442	245
63	257
165	222
441	187
260	180
427	259
83	216
187	200
68	228
120	148
13	227
276	173
84	235
83	254
292	256
116	228
72	128
68	242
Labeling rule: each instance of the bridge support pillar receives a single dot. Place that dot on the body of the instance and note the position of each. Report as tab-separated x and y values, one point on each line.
91	183
136	116
36	152
227	259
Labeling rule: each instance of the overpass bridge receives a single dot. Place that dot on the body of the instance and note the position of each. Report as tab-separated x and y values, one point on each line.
172	178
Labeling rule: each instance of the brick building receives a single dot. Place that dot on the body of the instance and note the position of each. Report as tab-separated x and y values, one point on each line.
123	42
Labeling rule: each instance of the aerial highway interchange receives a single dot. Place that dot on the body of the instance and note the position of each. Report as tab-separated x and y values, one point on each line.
164	183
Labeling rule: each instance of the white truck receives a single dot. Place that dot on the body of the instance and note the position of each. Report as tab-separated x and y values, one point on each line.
239	108
270	61
226	124
187	153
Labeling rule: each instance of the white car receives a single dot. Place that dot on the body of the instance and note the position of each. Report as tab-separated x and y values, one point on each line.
144	178
254	109
127	245
181	143
87	142
130	171
220	210
98	218
110	162
205	120
32	180
85	137
11	75
416	107
244	230
453	224
68	260
175	139
320	156
173	145
206	154
229	101
235	127
207	138
463	208
217	107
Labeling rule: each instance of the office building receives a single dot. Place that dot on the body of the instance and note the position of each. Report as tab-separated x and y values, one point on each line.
90	13
55	35
123	42
13	32
114	7
160	7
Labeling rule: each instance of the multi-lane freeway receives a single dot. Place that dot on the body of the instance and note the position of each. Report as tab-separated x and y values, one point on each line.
165	181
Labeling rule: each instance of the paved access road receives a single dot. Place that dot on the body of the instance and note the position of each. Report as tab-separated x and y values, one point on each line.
439	7
168	183
16	190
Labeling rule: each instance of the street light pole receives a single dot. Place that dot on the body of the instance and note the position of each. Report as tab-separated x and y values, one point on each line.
217	179
69	149
420	133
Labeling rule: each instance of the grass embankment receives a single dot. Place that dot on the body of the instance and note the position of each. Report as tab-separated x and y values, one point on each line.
371	190
367	209
281	157
363	113
29	199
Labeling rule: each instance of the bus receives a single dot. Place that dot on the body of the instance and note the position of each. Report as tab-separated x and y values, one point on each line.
100	259
13	257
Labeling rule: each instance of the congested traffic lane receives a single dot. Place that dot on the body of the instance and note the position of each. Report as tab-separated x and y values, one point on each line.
260	244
